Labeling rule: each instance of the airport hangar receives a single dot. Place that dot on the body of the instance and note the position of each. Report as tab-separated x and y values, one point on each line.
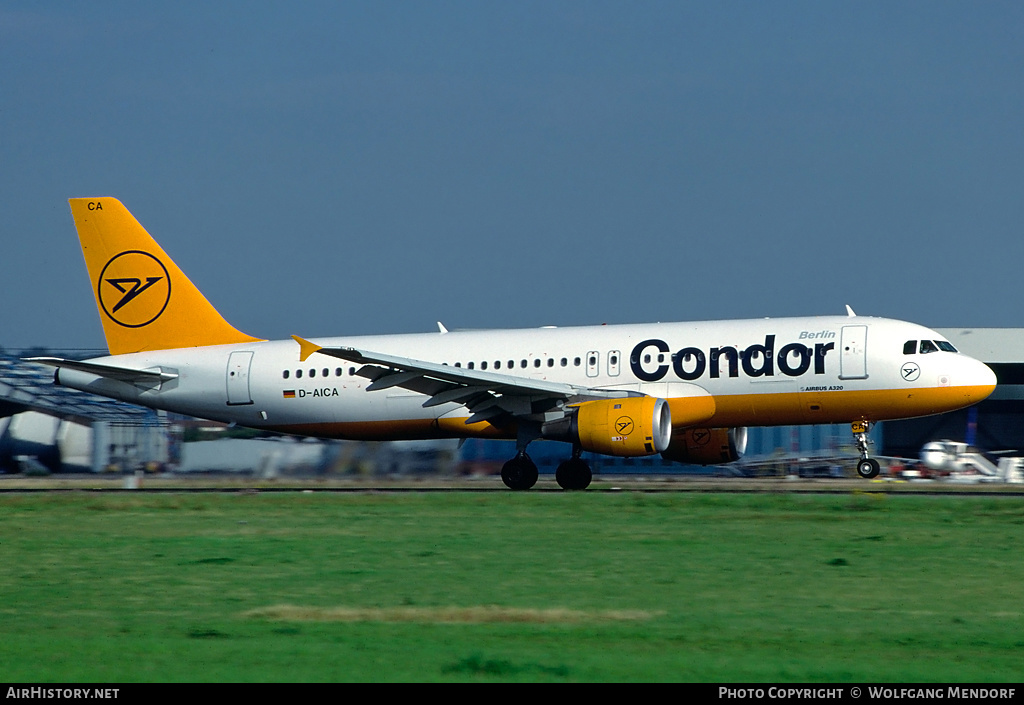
56	426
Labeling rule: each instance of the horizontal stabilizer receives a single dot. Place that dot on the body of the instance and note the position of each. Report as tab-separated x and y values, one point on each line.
145	378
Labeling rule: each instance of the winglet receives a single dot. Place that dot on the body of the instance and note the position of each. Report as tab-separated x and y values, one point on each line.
306	348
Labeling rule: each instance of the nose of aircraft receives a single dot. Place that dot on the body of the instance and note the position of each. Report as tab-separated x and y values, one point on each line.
981	377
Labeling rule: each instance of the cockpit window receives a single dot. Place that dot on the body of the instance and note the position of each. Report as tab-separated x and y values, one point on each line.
945	346
928	346
910	347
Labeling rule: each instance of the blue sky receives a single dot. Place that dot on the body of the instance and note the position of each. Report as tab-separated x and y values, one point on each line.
348	168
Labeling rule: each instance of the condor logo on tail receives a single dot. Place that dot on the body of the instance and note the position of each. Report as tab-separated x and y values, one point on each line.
134	288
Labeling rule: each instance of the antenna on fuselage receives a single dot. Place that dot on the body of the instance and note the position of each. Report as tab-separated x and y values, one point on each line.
849	311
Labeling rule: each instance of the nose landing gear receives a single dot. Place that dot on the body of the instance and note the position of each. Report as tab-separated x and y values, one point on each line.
866	467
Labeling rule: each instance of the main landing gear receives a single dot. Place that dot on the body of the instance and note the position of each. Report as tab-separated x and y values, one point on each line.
866	467
520	473
574	473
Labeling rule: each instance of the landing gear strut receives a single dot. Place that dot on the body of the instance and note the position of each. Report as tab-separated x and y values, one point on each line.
574	474
520	473
866	467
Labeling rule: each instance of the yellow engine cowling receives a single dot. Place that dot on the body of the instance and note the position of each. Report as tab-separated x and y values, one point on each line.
707	446
628	427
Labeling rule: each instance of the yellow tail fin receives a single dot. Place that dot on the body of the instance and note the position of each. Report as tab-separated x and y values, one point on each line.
145	302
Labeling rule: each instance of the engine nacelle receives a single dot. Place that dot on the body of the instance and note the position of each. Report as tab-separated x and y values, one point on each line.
707	446
627	427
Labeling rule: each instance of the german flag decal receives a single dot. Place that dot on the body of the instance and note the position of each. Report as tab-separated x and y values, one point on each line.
289	394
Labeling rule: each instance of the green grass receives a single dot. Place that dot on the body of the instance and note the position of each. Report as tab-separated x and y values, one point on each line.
510	586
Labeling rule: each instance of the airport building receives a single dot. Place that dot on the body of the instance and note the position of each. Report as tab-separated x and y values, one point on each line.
46	428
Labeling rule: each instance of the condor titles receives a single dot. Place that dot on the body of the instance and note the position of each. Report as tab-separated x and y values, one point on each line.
757	360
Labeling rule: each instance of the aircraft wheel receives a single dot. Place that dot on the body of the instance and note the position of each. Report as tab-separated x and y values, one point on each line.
868	468
520	473
573	474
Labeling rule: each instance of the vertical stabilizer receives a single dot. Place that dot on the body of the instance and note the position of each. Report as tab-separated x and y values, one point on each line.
144	300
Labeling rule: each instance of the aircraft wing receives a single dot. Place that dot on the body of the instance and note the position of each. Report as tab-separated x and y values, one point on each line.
486	394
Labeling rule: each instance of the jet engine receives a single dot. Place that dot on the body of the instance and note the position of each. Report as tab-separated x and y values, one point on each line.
707	446
626	427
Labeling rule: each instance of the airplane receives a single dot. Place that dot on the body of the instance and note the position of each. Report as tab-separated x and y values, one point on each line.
964	463
687	391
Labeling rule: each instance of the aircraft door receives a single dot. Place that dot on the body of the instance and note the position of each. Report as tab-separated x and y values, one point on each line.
593	358
238	378
853	359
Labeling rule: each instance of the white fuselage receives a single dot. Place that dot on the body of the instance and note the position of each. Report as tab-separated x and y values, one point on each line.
760	372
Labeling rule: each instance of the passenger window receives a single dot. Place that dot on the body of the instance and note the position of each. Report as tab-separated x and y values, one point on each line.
522	363
565	362
910	347
928	346
286	374
469	365
576	362
327	372
536	362
551	362
337	372
483	365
